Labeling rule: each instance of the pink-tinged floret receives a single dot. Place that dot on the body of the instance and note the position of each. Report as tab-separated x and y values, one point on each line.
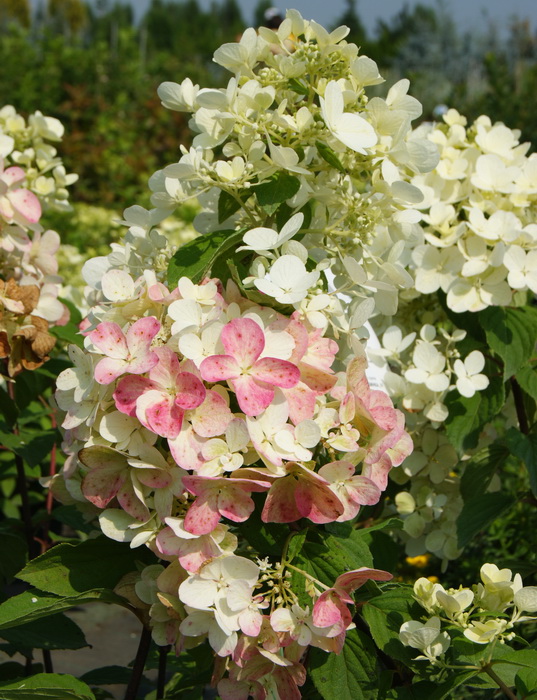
331	606
17	204
128	352
160	401
219	497
353	490
252	378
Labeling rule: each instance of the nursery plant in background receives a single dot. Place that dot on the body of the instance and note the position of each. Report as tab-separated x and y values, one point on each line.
260	424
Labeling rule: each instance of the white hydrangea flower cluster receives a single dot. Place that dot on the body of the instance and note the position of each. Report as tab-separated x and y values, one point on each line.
486	613
479	242
31	178
296	112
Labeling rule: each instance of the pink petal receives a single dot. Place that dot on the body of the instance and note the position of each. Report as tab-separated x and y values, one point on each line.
317	502
329	610
301	401
363	491
25	203
251	396
194	553
156	410
250	622
219	367
127	392
109	369
244	340
202	516
190	391
140	365
351	580
140	335
316	379
235	504
212	417
110	340
154	478
185	449
378	472
280	505
100	485
276	372
13	175
164	373
131	504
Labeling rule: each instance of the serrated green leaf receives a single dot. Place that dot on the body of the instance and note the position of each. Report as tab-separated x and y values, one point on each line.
69	570
385	614
55	632
46	685
351	675
525	448
195	259
478	512
278	189
328	155
511	333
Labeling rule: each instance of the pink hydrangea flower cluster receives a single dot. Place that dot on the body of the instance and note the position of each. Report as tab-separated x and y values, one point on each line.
183	405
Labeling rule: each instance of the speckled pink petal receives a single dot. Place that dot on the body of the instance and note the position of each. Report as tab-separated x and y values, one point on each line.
185	449
301	402
131	504
202	516
156	411
154	478
110	340
235	504
280	505
212	417
109	369
141	365
127	392
329	610
378	472
317	502
276	372
13	175
351	580
363	491
165	372
193	553
244	340
26	204
337	471
317	379
168	543
218	368
101	484
190	391
251	396
140	335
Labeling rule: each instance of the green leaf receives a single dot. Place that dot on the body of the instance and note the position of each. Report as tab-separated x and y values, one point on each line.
351	675
385	614
195	259
329	156
8	409
70	333
462	424
68	570
46	685
511	333
278	189
527	379
478	512
525	448
526	682
228	205
13	555
33	447
267	538
54	632
32	605
479	470
107	675
298	87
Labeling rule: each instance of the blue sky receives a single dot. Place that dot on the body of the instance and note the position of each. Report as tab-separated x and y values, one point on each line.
468	13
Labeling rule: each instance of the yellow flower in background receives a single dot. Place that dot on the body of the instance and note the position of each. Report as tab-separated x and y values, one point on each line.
420	562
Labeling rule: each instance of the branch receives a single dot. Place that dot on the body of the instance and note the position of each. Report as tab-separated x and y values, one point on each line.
507	691
139	664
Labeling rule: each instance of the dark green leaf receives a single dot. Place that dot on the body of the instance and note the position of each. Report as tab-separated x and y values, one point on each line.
70	333
195	259
107	675
525	448
385	614
54	632
298	87
68	570
527	379
511	333
32	605
329	156
46	685
526	682
479	470
10	670
462	425
13	554
351	675
478	512
8	409
278	189
33	447
228	205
